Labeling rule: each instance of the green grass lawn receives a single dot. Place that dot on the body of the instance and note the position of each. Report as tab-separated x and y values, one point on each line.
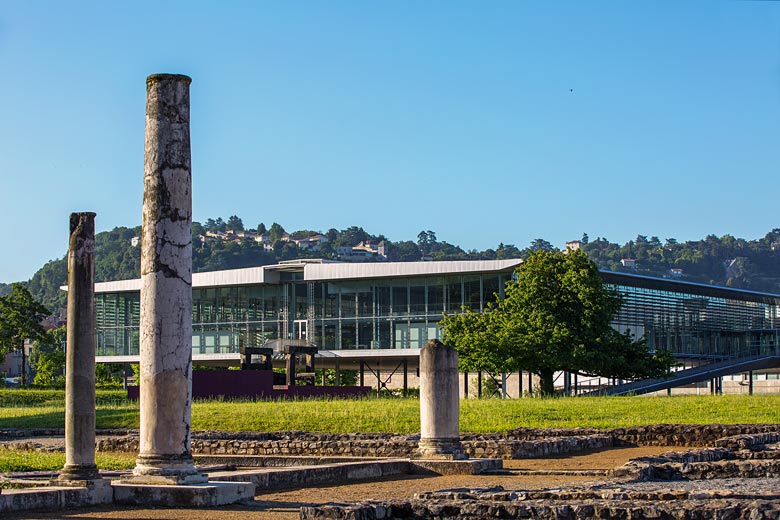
53	461
45	409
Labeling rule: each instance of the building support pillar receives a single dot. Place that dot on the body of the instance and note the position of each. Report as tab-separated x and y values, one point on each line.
519	384
80	352
406	378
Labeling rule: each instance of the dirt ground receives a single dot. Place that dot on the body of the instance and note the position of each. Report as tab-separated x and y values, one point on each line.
283	504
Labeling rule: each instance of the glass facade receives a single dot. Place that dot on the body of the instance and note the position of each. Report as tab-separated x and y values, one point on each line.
397	313
699	325
403	313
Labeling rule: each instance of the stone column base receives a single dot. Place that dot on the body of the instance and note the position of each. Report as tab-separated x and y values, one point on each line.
173	471
79	472
440	449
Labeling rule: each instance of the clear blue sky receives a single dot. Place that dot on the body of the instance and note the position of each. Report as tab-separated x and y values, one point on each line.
486	122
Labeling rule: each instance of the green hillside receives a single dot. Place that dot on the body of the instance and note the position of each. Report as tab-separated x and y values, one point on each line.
735	262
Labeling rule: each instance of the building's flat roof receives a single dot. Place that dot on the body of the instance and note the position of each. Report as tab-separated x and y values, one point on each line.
327	271
703	289
324	272
246	276
351	271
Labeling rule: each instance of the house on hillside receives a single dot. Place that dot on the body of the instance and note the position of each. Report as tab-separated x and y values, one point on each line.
312	243
364	251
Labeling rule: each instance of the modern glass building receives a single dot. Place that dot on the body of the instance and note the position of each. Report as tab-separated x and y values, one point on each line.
372	311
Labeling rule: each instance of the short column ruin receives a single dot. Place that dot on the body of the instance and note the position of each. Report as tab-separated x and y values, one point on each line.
439	403
165	455
80	352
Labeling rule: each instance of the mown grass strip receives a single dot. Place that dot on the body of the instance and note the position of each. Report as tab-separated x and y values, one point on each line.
402	415
53	461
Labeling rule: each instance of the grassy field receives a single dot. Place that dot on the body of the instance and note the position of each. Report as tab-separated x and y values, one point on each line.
45	409
52	461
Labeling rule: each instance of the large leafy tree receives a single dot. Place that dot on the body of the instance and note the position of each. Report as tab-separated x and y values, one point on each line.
47	357
555	316
20	319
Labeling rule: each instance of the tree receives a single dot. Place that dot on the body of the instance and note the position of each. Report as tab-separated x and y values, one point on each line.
20	317
197	230
505	251
275	233
261	230
234	223
220	225
555	316
540	244
47	357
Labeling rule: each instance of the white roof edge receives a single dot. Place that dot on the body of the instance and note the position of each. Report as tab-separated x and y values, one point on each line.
327	271
315	272
246	276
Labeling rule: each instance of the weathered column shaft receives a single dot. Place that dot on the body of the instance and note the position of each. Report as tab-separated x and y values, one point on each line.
80	352
166	283
439	402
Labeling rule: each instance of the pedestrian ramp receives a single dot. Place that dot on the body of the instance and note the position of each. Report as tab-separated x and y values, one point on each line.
693	375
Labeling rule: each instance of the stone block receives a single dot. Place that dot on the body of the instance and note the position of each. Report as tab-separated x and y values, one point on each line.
89	493
454	467
205	495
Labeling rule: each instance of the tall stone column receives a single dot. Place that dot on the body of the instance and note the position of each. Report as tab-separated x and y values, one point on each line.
166	287
439	403
80	352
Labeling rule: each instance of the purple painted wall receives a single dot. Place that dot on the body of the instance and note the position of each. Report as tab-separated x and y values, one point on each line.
255	384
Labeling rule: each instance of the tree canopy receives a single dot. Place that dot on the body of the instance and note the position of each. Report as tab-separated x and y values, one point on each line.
47	358
555	316
20	319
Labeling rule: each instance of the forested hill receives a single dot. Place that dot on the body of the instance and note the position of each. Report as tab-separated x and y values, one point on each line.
219	244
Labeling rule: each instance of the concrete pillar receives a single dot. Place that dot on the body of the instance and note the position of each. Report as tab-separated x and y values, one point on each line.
166	287
406	378
439	402
80	352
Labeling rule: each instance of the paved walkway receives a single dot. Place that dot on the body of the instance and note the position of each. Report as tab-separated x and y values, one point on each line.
284	504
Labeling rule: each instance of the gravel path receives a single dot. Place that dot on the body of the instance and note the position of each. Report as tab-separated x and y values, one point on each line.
284	504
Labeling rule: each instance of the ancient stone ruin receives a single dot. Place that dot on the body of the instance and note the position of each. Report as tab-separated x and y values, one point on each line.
80	352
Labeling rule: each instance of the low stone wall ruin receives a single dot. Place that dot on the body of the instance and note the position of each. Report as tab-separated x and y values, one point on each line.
734	509
520	443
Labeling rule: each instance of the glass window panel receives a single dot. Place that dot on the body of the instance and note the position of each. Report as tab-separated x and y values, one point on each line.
490	288
472	294
329	340
348	335
347	305
454	295
365	334
383	300
417	299
400	295
435	297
